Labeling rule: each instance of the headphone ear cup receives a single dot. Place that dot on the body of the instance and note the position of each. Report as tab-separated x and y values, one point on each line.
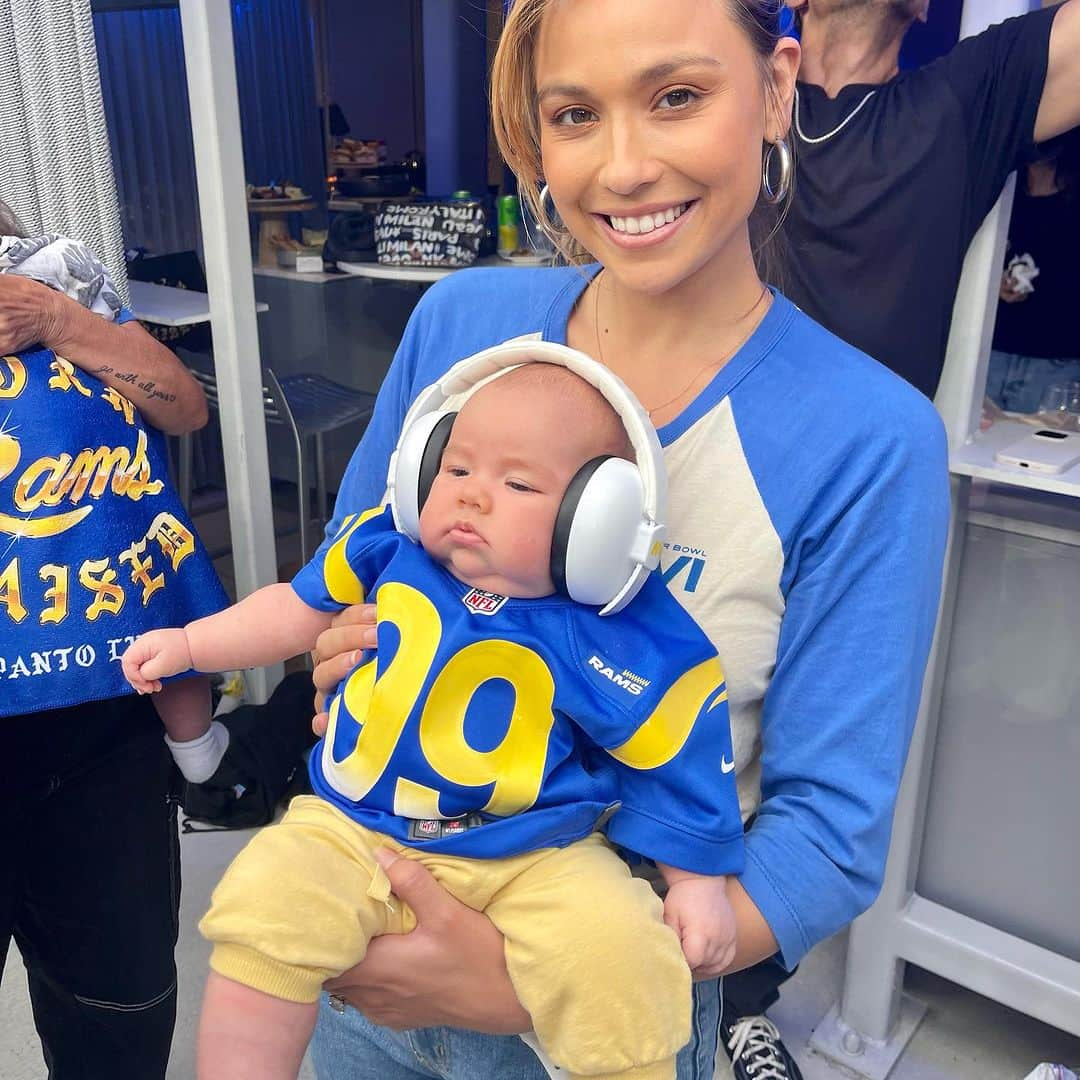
431	461
598	524
418	457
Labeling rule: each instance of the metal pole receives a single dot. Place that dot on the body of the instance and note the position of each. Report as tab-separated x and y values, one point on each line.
219	169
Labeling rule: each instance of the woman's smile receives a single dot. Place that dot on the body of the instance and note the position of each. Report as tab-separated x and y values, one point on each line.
645	228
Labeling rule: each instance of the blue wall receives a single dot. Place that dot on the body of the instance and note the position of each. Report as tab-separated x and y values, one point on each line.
455	96
144	85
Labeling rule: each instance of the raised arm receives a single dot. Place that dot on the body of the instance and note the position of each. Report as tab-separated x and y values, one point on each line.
123	356
1059	108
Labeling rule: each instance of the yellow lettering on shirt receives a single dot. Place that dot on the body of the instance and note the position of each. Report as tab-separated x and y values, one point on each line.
65	378
119	403
664	732
341	581
56	594
97	576
516	765
11	592
382	707
12	377
412	800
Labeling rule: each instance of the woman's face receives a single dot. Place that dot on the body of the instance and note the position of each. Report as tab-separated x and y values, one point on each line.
652	116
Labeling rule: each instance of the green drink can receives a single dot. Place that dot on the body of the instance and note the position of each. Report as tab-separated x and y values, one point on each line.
509	217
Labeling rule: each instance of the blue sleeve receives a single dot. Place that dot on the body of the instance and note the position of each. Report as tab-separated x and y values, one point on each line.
861	604
685	811
125	316
665	731
346	566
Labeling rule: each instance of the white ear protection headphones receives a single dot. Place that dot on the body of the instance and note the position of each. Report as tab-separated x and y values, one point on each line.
610	523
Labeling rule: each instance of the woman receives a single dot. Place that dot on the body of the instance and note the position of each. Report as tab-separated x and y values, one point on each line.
89	880
808	489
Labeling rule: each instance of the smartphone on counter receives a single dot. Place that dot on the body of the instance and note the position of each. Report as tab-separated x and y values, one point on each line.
1045	451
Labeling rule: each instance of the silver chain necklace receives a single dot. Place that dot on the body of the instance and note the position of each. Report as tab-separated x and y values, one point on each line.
836	130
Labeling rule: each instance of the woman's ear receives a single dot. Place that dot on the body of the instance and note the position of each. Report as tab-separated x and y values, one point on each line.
785	67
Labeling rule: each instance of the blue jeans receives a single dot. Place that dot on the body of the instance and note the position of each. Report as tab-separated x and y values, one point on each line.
1016	383
349	1047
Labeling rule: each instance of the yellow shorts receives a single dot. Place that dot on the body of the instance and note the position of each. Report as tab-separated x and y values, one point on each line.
591	959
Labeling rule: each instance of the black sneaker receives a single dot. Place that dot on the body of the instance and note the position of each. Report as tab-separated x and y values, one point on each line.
756	1050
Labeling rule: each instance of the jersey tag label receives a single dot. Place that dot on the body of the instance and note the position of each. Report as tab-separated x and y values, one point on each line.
437	828
483	603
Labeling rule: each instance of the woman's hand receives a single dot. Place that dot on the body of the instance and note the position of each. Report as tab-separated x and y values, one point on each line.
449	971
337	652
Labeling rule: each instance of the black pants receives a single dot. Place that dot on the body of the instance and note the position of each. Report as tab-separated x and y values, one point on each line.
751	991
90	884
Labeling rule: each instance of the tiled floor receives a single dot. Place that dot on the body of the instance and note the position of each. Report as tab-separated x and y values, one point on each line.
963	1037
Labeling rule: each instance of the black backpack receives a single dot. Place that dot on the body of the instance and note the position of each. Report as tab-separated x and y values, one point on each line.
264	763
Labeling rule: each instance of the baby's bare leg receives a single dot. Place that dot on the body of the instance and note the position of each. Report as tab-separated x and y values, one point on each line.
245	1034
184	708
196	742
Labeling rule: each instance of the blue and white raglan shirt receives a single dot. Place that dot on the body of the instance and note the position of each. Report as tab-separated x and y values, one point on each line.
807	519
533	721
95	546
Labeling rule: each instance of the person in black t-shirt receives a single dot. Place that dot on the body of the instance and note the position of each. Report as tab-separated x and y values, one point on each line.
894	174
1036	337
895	171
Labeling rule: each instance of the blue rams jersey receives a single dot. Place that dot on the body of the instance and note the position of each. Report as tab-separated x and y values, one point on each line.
95	547
528	720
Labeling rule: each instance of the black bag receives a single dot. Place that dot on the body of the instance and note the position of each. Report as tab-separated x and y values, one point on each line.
263	765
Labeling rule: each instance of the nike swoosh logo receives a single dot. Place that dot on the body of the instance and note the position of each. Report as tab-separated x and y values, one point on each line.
726	766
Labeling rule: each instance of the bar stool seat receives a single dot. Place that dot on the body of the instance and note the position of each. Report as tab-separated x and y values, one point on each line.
309	405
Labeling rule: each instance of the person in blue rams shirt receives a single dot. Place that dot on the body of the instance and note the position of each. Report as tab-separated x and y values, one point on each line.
808	493
94	548
501	729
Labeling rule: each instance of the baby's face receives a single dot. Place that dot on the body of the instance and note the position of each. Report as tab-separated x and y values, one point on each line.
491	512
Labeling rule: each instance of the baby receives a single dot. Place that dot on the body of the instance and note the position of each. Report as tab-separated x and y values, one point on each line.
502	734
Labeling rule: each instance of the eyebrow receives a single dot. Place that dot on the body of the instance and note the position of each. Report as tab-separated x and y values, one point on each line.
652	74
512	464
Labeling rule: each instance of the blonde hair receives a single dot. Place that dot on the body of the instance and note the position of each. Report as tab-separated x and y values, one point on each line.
515	115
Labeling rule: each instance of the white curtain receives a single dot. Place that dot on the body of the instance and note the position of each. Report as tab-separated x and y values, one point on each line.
56	168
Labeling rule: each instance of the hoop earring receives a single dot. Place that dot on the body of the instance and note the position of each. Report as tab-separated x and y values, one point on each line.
773	195
551	215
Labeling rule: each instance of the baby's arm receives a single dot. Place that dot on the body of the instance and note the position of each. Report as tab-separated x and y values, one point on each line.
270	625
698	910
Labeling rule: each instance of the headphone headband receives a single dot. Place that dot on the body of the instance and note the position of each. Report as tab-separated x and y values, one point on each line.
640	529
475	369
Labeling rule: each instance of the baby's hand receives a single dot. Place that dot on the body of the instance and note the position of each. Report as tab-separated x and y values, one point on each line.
152	657
698	910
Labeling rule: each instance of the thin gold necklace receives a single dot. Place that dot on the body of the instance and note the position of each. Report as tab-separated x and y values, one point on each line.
700	371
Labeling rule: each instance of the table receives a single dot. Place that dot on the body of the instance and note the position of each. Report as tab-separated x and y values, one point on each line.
274	223
169	306
424	275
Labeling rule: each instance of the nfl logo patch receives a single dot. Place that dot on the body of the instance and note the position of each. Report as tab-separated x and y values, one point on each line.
483	603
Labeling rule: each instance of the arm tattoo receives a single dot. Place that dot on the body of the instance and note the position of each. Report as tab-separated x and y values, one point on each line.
149	387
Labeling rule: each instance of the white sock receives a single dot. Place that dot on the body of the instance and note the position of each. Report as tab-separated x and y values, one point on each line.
199	758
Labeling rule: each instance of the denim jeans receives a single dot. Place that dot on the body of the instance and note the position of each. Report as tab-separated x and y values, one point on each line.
1016	383
349	1047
